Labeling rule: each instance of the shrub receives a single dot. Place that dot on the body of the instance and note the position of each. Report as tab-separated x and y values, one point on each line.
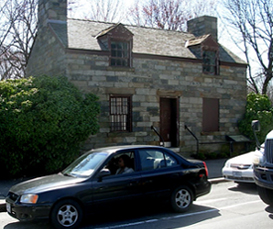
43	121
258	108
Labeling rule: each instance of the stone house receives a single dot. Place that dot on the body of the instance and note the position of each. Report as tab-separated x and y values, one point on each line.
145	77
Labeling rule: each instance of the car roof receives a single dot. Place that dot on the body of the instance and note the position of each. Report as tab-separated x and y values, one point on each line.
113	149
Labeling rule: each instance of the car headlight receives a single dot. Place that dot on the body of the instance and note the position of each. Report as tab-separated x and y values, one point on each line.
29	199
256	160
227	164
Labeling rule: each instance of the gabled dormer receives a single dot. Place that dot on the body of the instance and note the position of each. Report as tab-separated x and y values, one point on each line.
119	42
205	44
206	49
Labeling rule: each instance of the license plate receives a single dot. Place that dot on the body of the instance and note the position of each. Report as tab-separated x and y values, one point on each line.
237	174
8	207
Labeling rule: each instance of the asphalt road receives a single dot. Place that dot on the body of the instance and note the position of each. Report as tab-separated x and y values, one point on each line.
228	206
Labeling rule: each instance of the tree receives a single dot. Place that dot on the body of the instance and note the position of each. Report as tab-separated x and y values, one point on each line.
10	63
169	14
43	122
101	10
252	22
18	30
258	108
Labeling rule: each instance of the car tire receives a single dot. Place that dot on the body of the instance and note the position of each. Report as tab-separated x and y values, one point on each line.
266	195
66	214
181	199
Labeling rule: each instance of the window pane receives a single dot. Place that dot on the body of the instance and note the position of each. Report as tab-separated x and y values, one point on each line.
119	54
120	111
128	159
209	62
155	159
170	160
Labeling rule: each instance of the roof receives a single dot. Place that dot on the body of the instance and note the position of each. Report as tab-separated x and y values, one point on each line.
82	34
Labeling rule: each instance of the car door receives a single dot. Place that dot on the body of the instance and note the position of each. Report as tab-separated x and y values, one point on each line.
116	188
159	172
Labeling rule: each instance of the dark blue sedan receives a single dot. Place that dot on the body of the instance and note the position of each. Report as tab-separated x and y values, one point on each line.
108	177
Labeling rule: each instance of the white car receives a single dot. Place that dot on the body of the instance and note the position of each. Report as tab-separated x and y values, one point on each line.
240	168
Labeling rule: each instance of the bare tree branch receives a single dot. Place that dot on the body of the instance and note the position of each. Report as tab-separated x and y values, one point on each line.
104	10
169	14
253	21
19	27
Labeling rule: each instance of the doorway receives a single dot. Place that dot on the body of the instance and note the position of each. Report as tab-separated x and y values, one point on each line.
169	121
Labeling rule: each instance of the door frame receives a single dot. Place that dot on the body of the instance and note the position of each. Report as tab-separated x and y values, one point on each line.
173	103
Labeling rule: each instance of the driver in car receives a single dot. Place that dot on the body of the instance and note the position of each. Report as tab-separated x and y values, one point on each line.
123	163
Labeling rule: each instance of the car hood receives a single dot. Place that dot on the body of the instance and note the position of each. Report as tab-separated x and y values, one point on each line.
45	183
246	158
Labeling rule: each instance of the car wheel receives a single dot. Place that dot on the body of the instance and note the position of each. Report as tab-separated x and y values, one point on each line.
266	195
66	214
181	199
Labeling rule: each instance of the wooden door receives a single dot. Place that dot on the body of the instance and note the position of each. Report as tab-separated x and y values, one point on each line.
169	120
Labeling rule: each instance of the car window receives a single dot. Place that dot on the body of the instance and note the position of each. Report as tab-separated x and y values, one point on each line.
122	163
85	165
151	159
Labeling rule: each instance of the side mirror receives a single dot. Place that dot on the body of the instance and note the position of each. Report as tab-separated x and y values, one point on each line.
256	127
255	124
104	173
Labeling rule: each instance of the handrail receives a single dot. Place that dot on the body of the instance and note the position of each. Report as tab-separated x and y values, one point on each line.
197	141
201	143
161	139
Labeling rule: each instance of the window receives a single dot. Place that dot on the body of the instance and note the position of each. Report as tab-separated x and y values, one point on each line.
210	61
155	159
118	40
120	113
210	114
128	159
120	54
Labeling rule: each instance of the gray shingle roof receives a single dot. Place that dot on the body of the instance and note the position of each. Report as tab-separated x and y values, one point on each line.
81	34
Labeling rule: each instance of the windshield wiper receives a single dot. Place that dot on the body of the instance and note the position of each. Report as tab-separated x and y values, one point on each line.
67	174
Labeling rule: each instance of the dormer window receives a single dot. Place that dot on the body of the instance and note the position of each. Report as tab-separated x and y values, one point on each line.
118	40
120	53
206	49
210	62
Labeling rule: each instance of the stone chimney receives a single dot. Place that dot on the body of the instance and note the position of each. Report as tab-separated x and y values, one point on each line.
51	11
202	26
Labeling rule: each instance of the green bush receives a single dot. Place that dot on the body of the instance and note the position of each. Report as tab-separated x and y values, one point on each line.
258	108
43	121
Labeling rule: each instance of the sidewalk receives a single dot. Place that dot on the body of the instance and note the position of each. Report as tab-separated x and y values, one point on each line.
214	168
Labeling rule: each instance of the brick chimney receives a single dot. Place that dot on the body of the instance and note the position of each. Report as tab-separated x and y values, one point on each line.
51	11
202	26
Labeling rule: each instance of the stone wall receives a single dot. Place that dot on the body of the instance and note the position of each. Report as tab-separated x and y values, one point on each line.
47	56
151	79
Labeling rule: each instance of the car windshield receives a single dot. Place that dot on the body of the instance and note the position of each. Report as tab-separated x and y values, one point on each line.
85	165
